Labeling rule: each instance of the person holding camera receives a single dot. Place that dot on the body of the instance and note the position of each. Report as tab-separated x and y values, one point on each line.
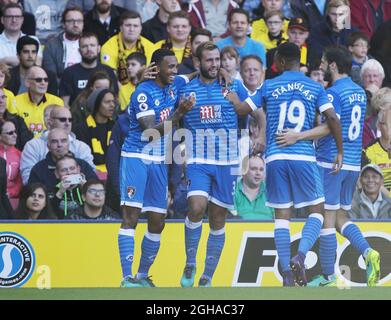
68	195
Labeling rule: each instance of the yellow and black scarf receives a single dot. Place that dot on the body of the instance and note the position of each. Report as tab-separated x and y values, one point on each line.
186	52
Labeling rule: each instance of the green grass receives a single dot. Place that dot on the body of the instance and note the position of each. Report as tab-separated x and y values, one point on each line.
379	293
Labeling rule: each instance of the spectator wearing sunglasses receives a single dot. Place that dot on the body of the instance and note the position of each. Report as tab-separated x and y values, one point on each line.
94	208
36	149
12	156
31	104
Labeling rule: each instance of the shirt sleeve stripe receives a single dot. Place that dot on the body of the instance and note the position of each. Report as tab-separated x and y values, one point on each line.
251	104
325	107
145	113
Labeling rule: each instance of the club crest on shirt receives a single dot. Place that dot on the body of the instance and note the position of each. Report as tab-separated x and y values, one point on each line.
141	98
131	192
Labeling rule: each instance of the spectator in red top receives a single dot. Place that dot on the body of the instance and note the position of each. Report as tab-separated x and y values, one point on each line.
12	156
368	15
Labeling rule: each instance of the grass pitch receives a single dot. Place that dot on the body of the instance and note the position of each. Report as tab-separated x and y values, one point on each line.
378	293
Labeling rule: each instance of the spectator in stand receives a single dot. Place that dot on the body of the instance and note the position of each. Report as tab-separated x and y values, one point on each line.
27	50
34	203
6	211
23	134
317	74
12	156
115	50
371	201
67	197
197	36
135	63
155	29
47	15
358	45
103	20
96	130
178	28
62	51
250	193
210	15
238	21
58	145
378	152
380	104
230	62
31	104
28	26
313	11
94	208
75	78
372	75
36	149
98	80
119	132
368	15
260	29
256	8
276	27
4	79
12	19
335	30
298	32
87	5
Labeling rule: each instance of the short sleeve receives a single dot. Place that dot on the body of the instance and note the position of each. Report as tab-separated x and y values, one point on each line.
323	103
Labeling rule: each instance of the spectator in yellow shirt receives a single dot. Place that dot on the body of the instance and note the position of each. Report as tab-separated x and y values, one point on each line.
275	34
31	104
4	78
128	40
178	28
134	62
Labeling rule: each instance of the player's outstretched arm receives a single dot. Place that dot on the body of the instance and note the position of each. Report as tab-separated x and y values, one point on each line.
148	122
241	108
335	128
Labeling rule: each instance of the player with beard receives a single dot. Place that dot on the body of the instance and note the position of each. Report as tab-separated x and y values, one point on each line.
103	20
75	78
349	101
212	165
143	171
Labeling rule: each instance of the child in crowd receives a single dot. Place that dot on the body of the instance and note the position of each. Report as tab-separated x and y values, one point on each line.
276	34
358	45
230	62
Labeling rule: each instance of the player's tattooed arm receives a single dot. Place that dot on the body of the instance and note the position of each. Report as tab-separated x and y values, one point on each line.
242	108
148	122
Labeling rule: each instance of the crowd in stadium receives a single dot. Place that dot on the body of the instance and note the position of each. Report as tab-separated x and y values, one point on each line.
68	69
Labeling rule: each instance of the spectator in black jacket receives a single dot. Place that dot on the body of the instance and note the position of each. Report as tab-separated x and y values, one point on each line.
24	134
104	10
27	49
6	211
155	29
311	10
29	24
58	145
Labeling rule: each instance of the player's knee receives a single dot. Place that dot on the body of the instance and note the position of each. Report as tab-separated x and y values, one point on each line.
129	217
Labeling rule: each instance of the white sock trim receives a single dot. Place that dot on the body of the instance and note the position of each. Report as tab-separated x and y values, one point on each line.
327	231
127	232
317	216
345	225
217	232
281	224
152	236
192	225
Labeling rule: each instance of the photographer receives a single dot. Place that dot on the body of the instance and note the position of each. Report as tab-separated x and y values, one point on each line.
68	196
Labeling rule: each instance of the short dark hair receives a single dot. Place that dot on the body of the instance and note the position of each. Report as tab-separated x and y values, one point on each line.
12	6
90	182
65	12
248	57
200	32
159	54
238	10
357	35
69	155
88	34
289	51
341	56
24	41
129	14
137	56
178	14
205	46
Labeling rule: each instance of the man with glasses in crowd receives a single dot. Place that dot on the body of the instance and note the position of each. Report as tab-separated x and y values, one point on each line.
31	104
36	149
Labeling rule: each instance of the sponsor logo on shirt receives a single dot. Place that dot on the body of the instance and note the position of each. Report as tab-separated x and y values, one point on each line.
164	114
210	114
